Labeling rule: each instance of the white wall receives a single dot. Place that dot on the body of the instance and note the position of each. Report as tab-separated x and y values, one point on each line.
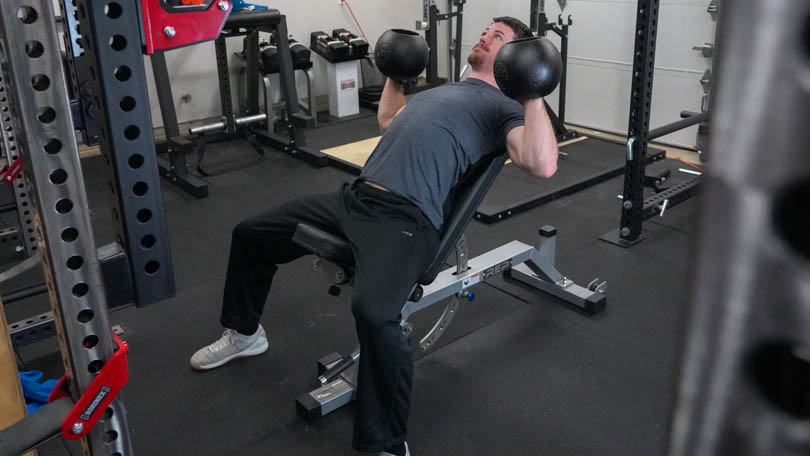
192	70
599	65
600	58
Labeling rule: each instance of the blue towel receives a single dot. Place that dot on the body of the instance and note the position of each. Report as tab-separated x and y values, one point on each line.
36	393
239	5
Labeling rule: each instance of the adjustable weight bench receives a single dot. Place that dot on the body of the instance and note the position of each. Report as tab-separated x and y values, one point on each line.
530	265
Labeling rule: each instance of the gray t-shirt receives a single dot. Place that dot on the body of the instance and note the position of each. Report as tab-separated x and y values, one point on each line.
435	139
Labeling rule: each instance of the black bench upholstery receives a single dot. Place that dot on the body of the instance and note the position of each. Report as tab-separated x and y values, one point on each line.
465	198
462	203
325	245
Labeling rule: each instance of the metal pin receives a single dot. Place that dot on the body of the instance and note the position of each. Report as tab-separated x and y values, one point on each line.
630	148
663	207
689	171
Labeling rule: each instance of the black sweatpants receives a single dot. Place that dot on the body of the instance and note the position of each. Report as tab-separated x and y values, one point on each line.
393	243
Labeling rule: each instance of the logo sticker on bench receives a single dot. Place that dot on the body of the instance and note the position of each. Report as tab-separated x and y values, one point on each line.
497	269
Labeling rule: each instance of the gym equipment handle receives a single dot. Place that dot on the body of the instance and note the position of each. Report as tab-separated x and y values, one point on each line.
217	126
338	368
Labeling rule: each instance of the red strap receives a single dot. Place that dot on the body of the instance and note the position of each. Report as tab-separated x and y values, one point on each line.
95	399
13	171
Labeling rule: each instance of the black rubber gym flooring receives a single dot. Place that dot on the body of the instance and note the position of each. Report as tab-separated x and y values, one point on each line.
517	373
586	161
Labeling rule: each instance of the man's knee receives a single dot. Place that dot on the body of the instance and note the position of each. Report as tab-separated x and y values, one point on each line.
240	231
244	231
374	312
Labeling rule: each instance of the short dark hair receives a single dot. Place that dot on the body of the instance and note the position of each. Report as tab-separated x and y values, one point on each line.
521	30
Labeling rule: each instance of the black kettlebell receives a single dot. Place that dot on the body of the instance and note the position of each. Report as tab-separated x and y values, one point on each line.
528	68
401	54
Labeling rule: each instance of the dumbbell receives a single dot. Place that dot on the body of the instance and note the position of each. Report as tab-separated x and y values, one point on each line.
357	45
298	51
401	54
528	68
300	55
329	48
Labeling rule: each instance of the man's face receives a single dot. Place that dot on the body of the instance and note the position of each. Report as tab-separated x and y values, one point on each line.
482	56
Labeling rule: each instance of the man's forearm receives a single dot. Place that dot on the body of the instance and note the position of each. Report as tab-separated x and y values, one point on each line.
391	101
539	152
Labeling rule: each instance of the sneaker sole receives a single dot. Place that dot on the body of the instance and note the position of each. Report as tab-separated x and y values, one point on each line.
407	451
252	351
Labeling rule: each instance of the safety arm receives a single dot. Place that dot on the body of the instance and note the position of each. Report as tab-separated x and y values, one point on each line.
533	147
392	102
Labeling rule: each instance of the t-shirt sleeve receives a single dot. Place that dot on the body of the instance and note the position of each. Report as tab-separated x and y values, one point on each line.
512	116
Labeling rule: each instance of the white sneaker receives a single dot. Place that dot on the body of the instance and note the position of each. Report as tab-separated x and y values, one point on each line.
385	453
230	346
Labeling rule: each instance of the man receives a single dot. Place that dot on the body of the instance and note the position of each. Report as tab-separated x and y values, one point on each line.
391	216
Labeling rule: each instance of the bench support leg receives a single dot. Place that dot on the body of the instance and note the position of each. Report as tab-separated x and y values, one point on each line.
533	266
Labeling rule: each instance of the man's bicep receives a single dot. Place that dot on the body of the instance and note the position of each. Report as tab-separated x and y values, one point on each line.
384	124
514	142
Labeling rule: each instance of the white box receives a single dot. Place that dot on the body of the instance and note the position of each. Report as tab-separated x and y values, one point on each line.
343	91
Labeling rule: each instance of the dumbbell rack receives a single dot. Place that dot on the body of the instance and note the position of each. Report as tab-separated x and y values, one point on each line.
339	53
177	146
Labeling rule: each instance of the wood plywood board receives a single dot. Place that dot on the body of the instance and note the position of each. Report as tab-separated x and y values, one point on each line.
356	152
12	402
